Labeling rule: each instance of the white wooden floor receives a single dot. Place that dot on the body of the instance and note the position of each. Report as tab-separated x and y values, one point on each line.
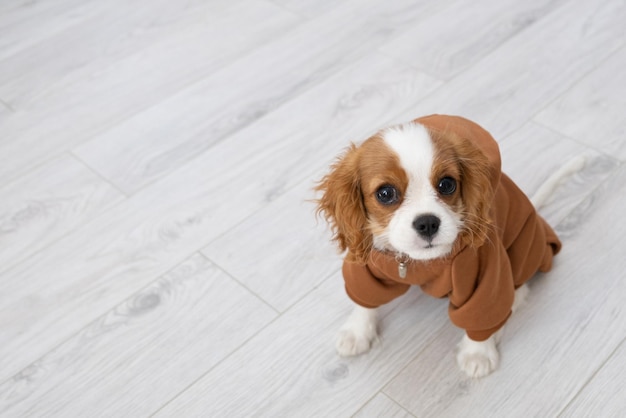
158	255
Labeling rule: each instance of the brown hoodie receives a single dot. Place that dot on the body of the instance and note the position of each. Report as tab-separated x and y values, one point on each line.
479	282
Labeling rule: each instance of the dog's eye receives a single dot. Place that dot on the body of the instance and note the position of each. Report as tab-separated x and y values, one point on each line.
447	186
387	195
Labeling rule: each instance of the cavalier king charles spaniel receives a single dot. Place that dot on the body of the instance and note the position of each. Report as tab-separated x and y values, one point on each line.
425	203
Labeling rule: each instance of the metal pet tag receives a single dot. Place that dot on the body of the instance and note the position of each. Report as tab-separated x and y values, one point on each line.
402	269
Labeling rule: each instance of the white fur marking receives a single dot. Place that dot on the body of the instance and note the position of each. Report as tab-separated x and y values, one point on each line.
415	149
478	358
358	334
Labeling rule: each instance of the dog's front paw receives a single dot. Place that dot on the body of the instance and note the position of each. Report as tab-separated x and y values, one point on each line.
352	342
358	334
477	358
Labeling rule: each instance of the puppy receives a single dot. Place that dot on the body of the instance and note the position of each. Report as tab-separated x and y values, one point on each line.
425	203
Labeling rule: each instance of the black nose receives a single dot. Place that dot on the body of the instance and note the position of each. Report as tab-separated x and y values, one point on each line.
427	226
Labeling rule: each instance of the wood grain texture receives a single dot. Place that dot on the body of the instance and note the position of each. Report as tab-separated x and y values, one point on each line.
5	110
110	37
514	82
311	8
72	104
22	26
382	407
48	203
594	110
432	383
603	396
238	94
448	42
15	12
402	13
323	384
139	352
284	276
572	323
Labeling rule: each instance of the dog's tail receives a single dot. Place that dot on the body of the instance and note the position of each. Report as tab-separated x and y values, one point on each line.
547	188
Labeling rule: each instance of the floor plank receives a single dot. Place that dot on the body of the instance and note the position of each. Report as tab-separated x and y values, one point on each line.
5	110
304	260
48	203
139	352
594	110
29	23
513	83
382	407
109	37
251	87
603	396
71	106
322	384
311	8
17	11
431	46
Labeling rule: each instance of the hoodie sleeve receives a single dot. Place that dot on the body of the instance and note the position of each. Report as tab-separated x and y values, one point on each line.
482	289
367	290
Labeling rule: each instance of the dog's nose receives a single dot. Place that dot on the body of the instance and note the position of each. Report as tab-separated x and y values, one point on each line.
427	226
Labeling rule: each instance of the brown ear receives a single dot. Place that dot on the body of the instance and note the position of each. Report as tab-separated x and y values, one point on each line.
342	206
477	192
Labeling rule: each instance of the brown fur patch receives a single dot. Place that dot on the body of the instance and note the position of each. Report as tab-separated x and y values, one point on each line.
349	201
460	159
380	166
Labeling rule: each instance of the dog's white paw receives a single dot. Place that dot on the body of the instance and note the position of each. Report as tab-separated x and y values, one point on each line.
350	343
477	358
358	334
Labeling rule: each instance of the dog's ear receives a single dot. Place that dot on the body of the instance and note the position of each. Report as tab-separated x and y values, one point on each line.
342	206
477	192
